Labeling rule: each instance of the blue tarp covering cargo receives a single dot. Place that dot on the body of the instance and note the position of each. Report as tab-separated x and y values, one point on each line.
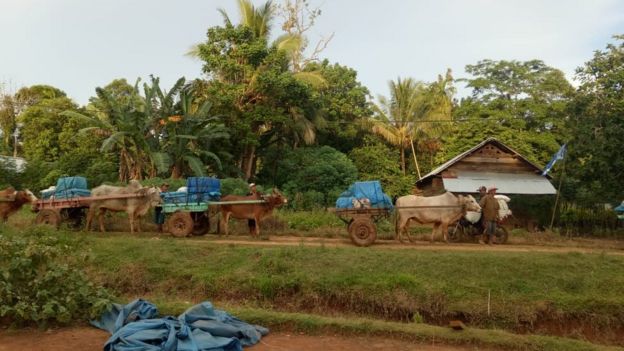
175	197
201	189
136	326
69	187
370	190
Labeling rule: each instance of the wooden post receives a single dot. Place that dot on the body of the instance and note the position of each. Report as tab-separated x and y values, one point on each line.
552	219
414	154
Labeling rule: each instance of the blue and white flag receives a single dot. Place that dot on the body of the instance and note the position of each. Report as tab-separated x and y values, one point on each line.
556	157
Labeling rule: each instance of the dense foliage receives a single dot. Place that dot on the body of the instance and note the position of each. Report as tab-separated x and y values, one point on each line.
42	279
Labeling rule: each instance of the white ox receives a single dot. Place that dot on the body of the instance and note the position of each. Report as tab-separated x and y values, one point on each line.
440	210
136	207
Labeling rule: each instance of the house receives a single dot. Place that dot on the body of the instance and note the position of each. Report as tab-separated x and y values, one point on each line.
489	163
17	162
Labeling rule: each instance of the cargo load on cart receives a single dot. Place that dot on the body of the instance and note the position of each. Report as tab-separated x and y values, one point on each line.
360	207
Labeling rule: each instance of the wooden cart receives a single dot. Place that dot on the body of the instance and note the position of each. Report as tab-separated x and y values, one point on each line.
361	223
73	210
193	218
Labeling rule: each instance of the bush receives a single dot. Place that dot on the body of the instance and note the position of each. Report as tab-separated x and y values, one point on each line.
235	186
309	220
43	281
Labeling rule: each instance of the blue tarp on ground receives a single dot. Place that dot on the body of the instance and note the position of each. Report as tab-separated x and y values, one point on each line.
135	326
370	190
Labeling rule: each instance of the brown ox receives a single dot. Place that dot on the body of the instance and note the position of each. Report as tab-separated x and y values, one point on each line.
11	201
136	207
440	210
250	211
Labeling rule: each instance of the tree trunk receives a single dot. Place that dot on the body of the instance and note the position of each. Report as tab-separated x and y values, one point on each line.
248	159
402	159
175	172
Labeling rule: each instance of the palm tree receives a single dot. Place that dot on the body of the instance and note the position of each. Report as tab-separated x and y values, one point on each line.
404	117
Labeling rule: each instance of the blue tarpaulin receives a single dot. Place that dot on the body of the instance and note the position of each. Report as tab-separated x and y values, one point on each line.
136	326
202	189
620	208
68	187
370	190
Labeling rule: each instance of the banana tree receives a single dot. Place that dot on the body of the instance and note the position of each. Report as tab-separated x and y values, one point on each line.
186	139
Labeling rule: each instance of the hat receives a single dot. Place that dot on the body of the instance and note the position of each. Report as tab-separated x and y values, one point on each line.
251	185
492	187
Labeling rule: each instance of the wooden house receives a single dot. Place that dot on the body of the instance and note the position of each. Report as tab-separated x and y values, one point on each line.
489	163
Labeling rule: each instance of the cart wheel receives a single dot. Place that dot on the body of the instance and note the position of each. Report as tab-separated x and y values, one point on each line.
180	224
501	234
455	233
363	232
48	217
202	223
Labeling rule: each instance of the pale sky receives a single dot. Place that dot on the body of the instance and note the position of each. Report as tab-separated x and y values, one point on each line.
77	45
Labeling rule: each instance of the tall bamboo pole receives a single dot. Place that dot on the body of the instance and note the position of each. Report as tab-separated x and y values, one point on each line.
414	154
552	219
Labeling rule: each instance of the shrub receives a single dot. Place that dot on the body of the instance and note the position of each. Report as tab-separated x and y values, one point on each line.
42	280
234	186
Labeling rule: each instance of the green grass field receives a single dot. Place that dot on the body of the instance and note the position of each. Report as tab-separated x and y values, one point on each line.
528	291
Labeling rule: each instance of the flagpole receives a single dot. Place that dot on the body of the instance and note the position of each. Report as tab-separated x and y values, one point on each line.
552	219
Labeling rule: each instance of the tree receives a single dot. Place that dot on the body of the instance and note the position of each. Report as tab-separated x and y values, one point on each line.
187	138
321	169
596	127
299	18
403	118
251	84
42	126
343	104
126	129
521	103
375	161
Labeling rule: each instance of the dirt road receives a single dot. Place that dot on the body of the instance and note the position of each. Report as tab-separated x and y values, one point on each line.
92	339
391	244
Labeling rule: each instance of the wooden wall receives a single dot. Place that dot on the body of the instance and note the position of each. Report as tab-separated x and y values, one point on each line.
488	158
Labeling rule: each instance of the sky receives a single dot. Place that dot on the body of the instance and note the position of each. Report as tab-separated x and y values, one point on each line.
78	45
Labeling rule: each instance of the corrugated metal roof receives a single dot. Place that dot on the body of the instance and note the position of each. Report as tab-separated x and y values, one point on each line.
19	162
507	183
455	159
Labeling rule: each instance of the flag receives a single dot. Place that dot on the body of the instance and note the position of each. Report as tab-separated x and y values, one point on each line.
556	157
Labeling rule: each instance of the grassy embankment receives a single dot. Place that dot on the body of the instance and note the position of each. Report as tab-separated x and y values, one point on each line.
545	292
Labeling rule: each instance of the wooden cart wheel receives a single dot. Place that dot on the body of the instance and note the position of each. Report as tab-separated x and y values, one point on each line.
501	234
202	223
180	224
48	217
362	231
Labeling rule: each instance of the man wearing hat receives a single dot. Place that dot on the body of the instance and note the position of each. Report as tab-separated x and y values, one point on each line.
489	209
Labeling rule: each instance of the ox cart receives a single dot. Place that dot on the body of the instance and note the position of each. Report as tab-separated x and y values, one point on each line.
361	223
194	218
360	207
73	210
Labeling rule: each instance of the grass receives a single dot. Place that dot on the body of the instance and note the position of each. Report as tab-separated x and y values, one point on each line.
403	285
417	332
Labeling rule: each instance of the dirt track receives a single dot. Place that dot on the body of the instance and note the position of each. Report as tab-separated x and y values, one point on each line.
391	244
92	339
